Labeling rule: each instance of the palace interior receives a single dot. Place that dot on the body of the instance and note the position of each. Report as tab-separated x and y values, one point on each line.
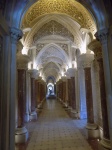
55	75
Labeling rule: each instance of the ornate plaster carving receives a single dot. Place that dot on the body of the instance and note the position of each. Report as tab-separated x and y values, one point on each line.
61	19
40	46
85	60
102	35
16	34
96	47
64	47
53	28
51	51
70	8
22	61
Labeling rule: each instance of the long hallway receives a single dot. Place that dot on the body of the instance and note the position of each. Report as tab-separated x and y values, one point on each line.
55	130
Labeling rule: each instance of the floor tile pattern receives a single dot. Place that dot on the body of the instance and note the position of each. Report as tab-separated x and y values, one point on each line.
55	130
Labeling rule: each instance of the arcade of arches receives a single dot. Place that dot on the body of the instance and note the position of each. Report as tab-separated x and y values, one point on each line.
58	49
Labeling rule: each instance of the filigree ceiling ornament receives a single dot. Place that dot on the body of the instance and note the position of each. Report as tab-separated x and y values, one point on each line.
65	21
52	65
40	46
53	28
49	51
68	7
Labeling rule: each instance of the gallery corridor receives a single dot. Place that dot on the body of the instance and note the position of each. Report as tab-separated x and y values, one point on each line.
55	130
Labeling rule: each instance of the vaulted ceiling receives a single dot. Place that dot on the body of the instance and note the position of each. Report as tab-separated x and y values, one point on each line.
53	31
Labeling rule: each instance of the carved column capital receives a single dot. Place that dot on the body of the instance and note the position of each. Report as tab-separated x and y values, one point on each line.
16	34
86	60
22	61
33	73
96	47
102	35
71	72
64	78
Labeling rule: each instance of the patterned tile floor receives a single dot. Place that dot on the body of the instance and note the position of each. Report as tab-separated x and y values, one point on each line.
55	130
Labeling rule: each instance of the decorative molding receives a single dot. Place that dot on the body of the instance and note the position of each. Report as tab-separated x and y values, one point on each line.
51	52
96	47
16	34
22	61
39	47
53	28
33	73
102	35
64	47
71	72
86	64
71	8
85	60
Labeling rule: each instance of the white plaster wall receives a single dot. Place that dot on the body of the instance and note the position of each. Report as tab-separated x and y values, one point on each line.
96	93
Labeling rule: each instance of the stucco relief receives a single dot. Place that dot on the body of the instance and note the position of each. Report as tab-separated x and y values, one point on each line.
70	8
51	52
40	46
53	28
51	65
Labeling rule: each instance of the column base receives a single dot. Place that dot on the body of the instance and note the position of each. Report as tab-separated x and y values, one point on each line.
104	144
33	116
74	114
21	135
92	131
69	109
66	107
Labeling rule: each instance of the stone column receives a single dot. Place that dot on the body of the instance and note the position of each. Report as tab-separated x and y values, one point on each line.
15	35
69	93
104	36
36	93
82	92
64	80
95	46
71	72
28	99
33	74
21	134
91	126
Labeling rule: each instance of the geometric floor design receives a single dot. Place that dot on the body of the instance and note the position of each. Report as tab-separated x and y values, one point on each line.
55	130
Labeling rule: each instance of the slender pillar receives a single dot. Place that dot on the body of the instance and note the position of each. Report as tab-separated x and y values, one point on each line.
64	80
33	115
21	134
92	128
69	93
36	92
96	47
82	93
89	99
104	36
71	72
15	35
